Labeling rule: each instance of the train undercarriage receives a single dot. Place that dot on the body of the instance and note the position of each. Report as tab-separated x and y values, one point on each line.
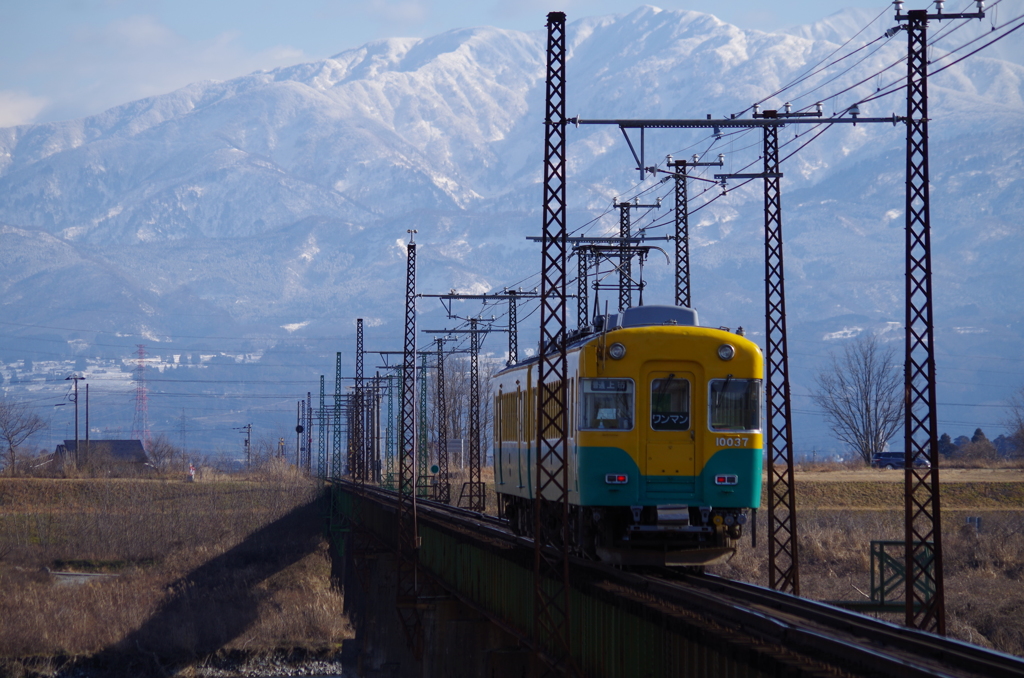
673	535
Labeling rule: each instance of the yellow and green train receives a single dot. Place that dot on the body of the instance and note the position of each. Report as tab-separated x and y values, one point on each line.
664	438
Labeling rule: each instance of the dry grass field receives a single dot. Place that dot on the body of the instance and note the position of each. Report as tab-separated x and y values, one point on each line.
201	568
840	511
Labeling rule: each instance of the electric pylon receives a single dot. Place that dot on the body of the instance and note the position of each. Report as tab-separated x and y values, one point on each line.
140	424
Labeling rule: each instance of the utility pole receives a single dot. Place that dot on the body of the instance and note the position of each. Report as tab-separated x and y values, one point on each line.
299	428
248	444
682	236
88	447
925	594
75	378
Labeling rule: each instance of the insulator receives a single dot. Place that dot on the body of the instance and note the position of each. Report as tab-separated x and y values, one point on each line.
696	157
854	110
939	4
718	132
818	107
668	160
757	108
899	6
721	158
789	107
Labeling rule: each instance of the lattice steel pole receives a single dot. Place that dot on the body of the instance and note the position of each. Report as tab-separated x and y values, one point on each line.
336	452
309	431
321	450
474	496
582	291
682	219
625	259
444	488
390	438
552	635
356	443
626	253
783	562
925	592
408	534
423	447
682	297
513	327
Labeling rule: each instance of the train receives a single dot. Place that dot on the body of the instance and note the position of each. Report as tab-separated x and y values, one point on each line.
665	445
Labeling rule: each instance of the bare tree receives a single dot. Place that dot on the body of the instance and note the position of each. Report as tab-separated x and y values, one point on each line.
163	454
17	424
861	393
1015	420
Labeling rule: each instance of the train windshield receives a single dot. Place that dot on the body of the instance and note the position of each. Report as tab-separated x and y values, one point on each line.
735	404
606	404
670	404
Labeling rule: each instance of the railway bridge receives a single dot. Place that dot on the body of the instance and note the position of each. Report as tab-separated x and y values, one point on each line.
472	614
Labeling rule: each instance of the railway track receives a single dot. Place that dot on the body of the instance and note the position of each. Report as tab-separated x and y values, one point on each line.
817	637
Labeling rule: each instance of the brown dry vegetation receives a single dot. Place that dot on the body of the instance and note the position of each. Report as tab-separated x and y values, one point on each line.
837	520
202	568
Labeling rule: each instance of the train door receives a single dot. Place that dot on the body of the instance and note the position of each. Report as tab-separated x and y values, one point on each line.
669	427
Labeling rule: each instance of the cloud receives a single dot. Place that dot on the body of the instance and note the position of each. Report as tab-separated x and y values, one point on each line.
18	108
139	56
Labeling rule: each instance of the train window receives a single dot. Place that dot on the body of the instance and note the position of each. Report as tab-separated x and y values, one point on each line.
606	404
734	404
670	404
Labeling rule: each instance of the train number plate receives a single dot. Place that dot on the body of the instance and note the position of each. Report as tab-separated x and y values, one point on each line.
739	441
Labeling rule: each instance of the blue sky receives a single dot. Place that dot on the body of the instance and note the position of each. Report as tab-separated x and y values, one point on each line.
64	59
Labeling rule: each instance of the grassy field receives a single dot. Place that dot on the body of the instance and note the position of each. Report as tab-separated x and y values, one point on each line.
201	568
839	514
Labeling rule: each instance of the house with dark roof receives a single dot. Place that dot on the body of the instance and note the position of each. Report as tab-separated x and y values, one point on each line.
105	457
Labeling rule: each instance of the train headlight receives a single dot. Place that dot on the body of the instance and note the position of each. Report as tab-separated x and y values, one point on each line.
616	351
726	352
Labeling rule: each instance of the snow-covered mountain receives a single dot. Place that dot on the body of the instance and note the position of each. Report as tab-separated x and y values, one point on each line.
233	209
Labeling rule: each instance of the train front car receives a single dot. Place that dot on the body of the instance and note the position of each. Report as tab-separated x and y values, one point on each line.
668	441
664	440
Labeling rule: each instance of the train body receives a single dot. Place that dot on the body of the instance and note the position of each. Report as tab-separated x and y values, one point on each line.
664	439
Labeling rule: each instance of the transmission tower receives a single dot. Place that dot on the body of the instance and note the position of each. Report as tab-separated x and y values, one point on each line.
140	424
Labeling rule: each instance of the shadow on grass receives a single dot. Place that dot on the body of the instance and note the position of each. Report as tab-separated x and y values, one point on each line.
215	603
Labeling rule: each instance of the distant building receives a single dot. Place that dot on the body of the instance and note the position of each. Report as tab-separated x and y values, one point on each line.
105	457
